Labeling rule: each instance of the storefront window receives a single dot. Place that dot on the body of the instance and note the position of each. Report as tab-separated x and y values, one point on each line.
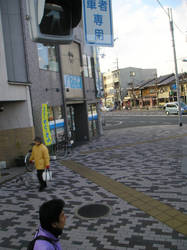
56	123
71	121
47	57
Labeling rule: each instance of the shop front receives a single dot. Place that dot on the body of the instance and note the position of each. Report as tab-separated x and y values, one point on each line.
76	122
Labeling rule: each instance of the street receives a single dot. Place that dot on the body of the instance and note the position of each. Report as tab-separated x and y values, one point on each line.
136	118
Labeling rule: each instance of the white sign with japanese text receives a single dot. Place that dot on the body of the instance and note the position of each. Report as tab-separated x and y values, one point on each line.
97	16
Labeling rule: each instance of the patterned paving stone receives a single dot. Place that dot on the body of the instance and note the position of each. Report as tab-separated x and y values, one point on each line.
152	167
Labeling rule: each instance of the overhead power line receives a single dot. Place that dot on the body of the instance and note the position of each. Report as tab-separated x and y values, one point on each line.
166	12
162	7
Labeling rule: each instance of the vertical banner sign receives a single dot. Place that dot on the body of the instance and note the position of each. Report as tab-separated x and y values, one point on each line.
97	16
98	77
45	126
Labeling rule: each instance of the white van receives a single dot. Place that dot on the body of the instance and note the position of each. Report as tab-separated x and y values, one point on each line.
172	108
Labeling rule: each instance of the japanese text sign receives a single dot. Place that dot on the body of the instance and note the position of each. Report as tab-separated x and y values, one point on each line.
97	16
45	126
72	81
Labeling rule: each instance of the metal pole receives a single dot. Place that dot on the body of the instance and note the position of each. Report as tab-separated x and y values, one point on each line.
98	105
63	93
176	69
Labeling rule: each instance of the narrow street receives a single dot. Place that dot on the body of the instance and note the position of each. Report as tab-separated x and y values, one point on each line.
136	118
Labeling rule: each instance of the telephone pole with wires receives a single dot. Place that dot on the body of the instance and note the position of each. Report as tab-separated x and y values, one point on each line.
175	61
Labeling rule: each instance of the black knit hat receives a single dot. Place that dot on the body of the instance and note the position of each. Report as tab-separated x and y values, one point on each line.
38	139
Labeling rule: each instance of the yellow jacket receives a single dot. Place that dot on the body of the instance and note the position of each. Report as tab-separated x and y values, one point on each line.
40	155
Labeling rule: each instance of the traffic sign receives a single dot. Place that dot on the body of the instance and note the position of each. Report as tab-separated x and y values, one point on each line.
97	17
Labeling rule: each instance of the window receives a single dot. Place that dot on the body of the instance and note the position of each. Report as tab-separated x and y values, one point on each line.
116	75
56	122
13	41
89	67
171	106
152	91
85	65
163	89
47	57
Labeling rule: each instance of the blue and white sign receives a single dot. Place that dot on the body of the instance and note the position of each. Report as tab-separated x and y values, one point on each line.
174	86
73	82
97	16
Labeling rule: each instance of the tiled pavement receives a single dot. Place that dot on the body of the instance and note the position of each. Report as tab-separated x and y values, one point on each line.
136	171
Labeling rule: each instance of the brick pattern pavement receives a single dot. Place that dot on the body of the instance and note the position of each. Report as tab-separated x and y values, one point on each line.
152	167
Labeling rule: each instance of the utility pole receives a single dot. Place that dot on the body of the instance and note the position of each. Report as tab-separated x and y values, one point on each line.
156	90
117	64
132	74
118	94
175	61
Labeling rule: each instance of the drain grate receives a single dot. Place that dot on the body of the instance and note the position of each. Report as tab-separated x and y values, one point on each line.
92	211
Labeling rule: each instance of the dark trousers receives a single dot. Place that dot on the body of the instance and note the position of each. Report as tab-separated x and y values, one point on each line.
40	178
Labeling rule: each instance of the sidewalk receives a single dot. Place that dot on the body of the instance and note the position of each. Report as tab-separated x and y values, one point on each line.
8	174
137	172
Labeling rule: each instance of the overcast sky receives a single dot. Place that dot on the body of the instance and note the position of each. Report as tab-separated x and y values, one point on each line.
143	36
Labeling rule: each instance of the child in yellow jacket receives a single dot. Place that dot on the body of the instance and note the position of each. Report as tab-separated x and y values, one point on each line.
40	156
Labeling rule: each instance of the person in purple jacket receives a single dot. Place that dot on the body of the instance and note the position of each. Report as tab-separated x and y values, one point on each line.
52	221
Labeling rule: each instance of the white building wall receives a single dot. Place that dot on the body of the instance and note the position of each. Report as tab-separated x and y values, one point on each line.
17	114
14	98
140	75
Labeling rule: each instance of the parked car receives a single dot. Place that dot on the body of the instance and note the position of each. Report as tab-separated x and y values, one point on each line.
109	108
173	108
103	108
106	108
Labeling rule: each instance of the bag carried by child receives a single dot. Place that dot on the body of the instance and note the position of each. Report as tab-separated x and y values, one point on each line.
47	175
